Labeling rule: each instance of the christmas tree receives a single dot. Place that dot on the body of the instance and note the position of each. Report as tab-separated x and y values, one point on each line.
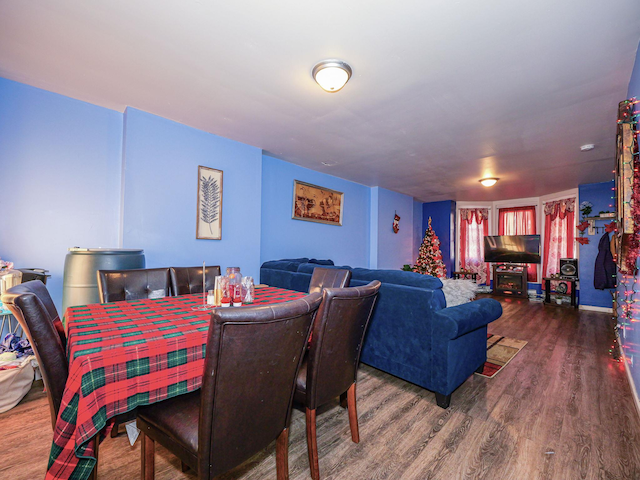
429	260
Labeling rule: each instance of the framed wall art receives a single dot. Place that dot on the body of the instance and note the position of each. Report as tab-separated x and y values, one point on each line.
624	167
209	220
626	164
317	204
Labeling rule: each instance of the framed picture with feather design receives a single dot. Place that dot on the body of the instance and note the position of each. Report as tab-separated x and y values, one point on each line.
209	221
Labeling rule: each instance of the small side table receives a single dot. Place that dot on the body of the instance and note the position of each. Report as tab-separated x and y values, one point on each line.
465	275
571	281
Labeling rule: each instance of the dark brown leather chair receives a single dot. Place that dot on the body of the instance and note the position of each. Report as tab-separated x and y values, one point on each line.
40	290
330	367
27	302
185	280
118	285
329	278
253	356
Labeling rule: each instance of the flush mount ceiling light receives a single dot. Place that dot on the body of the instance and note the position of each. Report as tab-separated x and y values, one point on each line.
331	75
489	182
587	147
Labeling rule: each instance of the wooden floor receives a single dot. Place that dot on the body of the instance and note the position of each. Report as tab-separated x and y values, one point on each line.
560	410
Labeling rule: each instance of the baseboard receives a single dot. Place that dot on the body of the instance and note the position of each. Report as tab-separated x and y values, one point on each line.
632	384
596	309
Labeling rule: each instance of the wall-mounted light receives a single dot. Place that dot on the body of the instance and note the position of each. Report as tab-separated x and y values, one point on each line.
489	182
332	75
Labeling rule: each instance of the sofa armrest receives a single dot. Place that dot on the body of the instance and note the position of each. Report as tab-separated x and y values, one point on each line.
454	322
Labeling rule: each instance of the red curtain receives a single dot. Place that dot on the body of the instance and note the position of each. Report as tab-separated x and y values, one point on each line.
559	226
519	221
474	226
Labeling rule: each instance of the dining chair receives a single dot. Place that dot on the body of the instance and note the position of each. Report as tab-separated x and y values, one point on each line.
118	285
330	366
40	290
28	303
185	280
329	278
252	358
136	284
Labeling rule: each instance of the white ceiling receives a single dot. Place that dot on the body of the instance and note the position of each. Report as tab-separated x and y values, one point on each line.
443	91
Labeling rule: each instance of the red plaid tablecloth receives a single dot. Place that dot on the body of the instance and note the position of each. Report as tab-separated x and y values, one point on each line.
126	354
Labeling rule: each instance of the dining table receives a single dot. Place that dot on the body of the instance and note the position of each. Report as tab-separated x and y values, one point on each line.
127	354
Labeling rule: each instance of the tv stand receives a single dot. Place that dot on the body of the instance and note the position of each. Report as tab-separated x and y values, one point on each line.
510	279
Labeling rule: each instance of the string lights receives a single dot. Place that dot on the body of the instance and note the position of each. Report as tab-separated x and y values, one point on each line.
625	303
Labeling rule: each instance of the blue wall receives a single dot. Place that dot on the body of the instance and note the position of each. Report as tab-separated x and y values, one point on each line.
630	333
418	233
373	226
443	222
283	237
60	172
394	249
599	194
81	175
161	159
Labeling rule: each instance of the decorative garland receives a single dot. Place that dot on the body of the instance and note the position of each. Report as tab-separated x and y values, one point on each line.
634	241
626	295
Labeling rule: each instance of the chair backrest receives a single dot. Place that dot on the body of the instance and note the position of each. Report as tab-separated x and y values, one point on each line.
24	302
329	278
338	333
40	290
118	285
185	280
252	360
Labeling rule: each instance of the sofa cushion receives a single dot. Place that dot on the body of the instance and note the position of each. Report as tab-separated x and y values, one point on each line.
309	267
286	265
321	262
399	277
294	260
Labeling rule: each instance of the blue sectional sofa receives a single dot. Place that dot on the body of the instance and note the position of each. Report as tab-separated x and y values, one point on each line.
412	334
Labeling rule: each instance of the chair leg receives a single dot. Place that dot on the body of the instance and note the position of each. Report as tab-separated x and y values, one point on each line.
147	456
114	430
343	400
353	413
183	466
312	444
96	445
282	455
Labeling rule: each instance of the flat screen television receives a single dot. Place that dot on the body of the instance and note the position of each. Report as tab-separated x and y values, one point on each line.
512	249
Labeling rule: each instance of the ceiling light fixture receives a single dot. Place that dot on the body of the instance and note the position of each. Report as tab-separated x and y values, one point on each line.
587	147
489	182
332	75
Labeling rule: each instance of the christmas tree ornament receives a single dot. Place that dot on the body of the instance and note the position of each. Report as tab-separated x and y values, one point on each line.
429	261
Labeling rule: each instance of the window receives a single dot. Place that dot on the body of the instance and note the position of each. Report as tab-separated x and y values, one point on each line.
474	226
519	221
558	234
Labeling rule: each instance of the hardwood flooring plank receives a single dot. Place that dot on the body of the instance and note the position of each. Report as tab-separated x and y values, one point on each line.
561	409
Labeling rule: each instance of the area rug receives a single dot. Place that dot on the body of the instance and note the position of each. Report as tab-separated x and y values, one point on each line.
500	351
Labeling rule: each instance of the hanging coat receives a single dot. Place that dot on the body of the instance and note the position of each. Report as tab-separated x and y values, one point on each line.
604	275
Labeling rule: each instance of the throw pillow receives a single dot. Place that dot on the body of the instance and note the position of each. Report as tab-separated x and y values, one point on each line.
457	292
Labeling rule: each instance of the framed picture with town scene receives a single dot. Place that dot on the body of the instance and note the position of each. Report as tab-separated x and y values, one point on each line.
317	204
